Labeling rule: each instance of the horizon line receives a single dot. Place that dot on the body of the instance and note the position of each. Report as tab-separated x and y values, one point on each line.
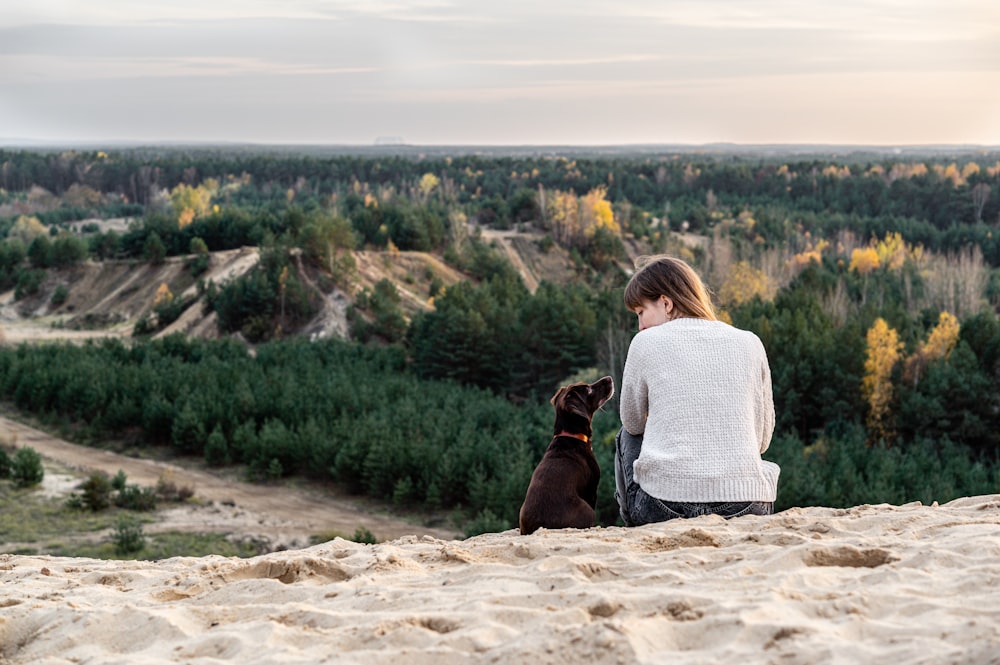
36	142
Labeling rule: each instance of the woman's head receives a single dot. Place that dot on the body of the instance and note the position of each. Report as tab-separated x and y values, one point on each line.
659	276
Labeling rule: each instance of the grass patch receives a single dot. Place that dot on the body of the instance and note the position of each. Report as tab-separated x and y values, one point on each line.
28	516
32	523
164	546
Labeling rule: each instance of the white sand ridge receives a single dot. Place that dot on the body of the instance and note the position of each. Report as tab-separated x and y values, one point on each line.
871	584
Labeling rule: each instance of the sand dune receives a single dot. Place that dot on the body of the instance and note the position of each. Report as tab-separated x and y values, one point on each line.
871	584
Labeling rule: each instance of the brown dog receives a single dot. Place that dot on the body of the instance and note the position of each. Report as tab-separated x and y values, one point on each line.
563	489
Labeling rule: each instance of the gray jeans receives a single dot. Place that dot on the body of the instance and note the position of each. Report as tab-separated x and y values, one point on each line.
637	507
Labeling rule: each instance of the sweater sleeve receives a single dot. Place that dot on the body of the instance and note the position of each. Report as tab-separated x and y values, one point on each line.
765	403
633	406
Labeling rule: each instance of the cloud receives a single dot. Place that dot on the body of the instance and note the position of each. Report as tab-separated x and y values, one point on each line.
38	68
563	62
130	12
896	20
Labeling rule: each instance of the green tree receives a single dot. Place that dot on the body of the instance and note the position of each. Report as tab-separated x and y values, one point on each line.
216	449
26	468
66	250
188	431
953	400
97	491
128	536
327	240
153	250
39	251
5	464
388	322
197	246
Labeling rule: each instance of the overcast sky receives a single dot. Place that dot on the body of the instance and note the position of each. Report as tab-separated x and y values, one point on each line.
543	72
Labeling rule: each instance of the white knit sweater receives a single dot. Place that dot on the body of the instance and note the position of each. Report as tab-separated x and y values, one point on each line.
706	387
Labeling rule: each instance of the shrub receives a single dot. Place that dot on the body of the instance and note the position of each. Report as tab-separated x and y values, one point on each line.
144	326
5	464
168	490
197	246
26	467
59	295
97	491
119	481
436	287
29	282
485	522
363	535
198	264
128	537
133	497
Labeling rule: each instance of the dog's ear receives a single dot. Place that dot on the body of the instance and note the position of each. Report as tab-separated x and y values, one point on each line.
559	396
573	399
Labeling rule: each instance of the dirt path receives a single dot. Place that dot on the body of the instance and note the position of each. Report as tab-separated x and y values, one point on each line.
504	238
281	515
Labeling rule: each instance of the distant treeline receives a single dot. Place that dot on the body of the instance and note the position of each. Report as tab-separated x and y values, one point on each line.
930	196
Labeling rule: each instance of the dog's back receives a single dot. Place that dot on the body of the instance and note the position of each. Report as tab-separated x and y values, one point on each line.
563	488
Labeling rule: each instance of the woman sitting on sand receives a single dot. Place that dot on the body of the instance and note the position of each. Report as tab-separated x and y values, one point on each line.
695	406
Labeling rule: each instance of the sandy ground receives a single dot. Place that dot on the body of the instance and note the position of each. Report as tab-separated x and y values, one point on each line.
34	330
872	584
280	515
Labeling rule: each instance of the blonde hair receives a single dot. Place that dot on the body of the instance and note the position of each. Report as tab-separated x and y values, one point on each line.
663	275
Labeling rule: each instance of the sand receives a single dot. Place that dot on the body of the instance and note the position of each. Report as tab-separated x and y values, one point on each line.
870	584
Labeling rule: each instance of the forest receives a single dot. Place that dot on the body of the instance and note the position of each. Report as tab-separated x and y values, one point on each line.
872	279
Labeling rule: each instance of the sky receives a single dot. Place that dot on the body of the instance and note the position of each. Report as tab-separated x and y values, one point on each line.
506	72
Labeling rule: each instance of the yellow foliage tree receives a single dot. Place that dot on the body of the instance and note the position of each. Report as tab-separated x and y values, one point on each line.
950	172
891	251
26	229
185	217
811	253
163	296
884	349
595	212
428	183
969	169
907	170
837	172
864	260
564	215
940	341
802	259
185	198
743	283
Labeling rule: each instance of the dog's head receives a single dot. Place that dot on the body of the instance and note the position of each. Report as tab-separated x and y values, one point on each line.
575	404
